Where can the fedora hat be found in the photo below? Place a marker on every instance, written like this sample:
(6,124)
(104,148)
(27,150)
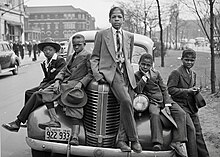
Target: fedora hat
(167,120)
(49,42)
(140,102)
(74,97)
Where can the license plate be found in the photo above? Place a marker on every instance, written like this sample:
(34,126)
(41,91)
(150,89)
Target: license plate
(57,134)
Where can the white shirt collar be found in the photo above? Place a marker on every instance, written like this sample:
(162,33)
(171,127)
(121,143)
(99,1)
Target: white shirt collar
(114,30)
(54,57)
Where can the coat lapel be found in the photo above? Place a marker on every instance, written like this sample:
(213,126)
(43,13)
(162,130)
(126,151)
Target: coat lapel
(110,43)
(126,45)
(186,77)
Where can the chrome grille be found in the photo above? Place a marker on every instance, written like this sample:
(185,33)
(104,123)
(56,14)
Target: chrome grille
(101,116)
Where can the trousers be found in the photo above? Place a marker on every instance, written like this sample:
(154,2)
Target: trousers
(119,87)
(33,103)
(179,116)
(196,146)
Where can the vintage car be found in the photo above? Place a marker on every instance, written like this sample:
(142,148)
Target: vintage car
(99,126)
(8,60)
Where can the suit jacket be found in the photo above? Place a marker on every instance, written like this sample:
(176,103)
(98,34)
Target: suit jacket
(178,83)
(154,88)
(49,75)
(76,70)
(103,60)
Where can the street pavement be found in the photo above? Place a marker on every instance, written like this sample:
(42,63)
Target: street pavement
(28,60)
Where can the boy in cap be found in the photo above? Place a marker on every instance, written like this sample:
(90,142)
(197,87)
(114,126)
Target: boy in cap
(150,83)
(51,66)
(182,88)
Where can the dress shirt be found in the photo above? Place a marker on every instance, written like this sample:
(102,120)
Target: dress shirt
(114,37)
(47,62)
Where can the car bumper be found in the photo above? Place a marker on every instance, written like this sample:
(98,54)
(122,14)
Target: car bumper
(89,151)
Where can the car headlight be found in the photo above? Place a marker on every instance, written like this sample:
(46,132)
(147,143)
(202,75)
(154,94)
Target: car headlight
(140,103)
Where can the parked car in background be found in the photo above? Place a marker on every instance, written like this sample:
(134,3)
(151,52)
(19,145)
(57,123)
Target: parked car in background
(63,49)
(100,124)
(9,61)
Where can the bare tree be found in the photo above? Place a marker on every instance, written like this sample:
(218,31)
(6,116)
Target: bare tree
(161,34)
(204,10)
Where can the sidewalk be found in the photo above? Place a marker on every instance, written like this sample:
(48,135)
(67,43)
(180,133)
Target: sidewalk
(28,60)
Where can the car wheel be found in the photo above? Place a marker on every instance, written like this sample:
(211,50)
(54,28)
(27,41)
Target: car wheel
(37,153)
(15,71)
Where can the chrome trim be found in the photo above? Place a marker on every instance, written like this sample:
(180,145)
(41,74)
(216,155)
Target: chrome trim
(89,151)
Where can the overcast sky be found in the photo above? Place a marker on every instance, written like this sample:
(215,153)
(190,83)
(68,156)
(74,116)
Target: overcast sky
(97,8)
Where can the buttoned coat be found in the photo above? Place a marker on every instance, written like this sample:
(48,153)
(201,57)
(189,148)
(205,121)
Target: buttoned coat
(103,59)
(178,83)
(154,88)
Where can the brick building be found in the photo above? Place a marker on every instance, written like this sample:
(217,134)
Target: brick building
(58,22)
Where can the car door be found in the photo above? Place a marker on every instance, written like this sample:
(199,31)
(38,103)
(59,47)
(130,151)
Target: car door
(5,56)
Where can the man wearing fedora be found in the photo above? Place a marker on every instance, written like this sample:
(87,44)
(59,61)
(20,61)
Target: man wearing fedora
(182,88)
(51,66)
(150,83)
(68,88)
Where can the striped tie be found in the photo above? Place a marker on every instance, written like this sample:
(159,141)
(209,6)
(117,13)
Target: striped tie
(119,53)
(118,41)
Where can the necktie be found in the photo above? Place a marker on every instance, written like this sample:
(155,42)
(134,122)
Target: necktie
(118,41)
(119,53)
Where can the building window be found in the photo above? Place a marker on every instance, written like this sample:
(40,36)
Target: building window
(83,16)
(42,16)
(35,16)
(48,26)
(56,33)
(56,25)
(42,26)
(42,32)
(79,16)
(48,16)
(73,15)
(56,16)
(69,25)
(48,33)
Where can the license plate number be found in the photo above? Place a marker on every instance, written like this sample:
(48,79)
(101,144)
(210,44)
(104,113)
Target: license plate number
(57,134)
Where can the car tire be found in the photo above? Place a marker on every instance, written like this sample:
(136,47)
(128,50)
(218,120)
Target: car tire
(15,71)
(37,153)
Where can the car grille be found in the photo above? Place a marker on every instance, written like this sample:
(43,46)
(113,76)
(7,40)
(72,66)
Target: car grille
(101,116)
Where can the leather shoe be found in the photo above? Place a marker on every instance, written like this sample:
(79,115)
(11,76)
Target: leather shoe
(11,126)
(51,123)
(179,148)
(123,146)
(136,146)
(74,141)
(157,147)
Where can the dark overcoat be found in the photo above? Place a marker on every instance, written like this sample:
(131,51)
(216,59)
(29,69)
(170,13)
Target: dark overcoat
(178,83)
(154,88)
